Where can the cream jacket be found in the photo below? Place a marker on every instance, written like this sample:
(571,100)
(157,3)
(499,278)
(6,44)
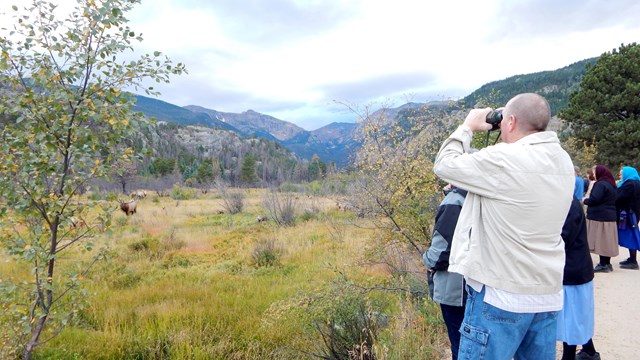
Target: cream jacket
(508,233)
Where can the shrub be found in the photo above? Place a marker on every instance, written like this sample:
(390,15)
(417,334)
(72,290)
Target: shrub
(281,207)
(233,202)
(266,253)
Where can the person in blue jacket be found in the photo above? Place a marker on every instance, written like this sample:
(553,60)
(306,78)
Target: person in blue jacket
(447,288)
(579,189)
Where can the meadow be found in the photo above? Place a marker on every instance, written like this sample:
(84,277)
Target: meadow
(185,279)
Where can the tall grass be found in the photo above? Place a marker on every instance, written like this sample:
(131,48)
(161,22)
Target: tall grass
(182,283)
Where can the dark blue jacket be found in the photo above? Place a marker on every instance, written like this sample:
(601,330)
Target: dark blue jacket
(629,196)
(578,267)
(602,202)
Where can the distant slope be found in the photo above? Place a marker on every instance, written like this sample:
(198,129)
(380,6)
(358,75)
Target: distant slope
(555,86)
(164,111)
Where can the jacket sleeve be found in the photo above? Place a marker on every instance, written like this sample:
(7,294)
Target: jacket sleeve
(478,173)
(437,256)
(597,195)
(575,217)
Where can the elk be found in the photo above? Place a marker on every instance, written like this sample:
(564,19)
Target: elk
(138,195)
(129,207)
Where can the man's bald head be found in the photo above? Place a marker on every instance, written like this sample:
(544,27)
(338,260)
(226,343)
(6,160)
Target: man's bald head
(531,111)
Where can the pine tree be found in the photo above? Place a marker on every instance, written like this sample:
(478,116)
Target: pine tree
(606,110)
(248,174)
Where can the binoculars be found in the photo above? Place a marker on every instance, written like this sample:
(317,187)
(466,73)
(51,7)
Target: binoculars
(494,118)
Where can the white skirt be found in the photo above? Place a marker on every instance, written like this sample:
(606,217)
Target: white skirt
(575,320)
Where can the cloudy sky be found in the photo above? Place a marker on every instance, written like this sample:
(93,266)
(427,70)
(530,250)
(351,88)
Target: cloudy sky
(299,60)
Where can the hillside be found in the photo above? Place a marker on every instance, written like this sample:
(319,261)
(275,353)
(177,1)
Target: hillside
(554,85)
(164,111)
(193,145)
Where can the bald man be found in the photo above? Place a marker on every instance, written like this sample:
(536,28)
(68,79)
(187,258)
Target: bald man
(507,242)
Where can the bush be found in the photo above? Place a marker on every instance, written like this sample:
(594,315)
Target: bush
(281,207)
(233,202)
(266,253)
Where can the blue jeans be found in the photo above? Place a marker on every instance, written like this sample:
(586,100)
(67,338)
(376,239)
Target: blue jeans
(494,334)
(453,316)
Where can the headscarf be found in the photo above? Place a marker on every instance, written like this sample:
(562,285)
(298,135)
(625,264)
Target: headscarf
(629,173)
(603,173)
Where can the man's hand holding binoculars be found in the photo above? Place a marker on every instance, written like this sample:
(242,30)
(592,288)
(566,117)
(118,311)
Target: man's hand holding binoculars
(477,120)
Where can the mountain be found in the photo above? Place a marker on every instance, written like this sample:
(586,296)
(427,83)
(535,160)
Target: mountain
(332,143)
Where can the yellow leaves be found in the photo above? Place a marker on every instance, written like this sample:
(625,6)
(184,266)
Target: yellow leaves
(97,162)
(28,247)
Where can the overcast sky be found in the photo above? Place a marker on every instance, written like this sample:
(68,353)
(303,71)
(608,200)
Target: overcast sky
(293,59)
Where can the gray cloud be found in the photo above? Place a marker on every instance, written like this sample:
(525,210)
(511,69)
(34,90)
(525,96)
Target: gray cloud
(539,18)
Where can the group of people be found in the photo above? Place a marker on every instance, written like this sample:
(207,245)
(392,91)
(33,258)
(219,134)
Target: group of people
(509,262)
(606,200)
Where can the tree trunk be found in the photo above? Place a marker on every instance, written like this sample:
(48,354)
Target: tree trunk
(35,335)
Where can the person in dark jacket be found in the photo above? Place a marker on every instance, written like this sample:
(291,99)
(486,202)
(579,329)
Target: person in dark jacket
(602,226)
(576,319)
(447,288)
(628,199)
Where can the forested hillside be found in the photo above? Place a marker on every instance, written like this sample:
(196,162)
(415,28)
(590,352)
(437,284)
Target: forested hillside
(555,86)
(200,154)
